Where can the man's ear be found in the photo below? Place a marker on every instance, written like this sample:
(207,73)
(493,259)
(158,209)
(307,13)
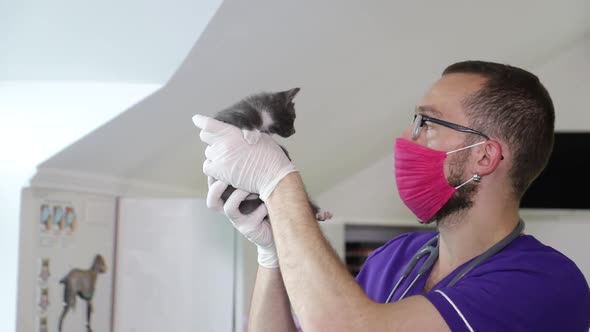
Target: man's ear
(491,156)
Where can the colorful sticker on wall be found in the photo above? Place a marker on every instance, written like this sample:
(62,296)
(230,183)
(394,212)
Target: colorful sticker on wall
(43,324)
(71,220)
(46,218)
(44,299)
(44,271)
(59,219)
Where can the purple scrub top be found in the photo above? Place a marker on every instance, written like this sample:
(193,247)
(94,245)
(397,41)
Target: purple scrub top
(527,286)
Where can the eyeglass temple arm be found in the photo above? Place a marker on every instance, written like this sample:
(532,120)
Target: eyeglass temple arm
(455,126)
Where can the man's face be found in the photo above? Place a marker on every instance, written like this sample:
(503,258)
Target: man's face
(444,101)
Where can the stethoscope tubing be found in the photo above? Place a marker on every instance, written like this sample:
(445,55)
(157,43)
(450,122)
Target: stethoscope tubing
(430,248)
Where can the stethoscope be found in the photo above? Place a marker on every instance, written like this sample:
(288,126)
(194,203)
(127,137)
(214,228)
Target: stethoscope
(430,249)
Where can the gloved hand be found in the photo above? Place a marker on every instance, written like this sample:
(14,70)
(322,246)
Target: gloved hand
(253,226)
(247,160)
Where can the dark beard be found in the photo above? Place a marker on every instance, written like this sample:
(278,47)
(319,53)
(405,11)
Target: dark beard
(462,199)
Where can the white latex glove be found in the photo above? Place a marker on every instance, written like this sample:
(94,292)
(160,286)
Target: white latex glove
(253,226)
(248,160)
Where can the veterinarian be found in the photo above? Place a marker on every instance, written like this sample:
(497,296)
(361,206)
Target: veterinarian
(481,134)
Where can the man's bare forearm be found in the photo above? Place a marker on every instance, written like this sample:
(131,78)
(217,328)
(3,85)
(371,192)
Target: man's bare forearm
(324,295)
(270,309)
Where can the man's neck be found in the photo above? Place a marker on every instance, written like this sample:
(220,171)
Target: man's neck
(472,233)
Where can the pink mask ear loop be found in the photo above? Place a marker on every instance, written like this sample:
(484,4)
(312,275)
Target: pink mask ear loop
(476,177)
(466,147)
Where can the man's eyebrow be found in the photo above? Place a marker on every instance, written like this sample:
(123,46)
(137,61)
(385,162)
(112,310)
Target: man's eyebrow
(429,110)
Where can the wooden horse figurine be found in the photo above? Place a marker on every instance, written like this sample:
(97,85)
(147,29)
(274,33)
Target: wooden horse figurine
(81,282)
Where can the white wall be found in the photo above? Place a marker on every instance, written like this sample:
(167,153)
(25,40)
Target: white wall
(369,194)
(372,193)
(567,78)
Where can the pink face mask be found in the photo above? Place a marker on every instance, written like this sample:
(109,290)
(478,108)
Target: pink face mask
(420,178)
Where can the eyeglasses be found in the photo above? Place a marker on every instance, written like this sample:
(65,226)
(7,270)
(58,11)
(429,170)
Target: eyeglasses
(419,120)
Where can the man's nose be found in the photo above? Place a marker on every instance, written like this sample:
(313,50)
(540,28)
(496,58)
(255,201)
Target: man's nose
(407,134)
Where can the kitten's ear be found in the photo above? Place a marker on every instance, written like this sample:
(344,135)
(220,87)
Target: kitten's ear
(291,94)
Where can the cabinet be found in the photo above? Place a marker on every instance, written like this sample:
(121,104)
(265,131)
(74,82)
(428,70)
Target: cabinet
(176,262)
(355,239)
(168,264)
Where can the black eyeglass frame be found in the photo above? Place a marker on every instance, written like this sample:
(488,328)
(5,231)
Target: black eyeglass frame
(424,118)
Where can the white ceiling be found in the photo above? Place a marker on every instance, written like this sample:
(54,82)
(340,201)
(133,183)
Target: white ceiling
(140,41)
(362,65)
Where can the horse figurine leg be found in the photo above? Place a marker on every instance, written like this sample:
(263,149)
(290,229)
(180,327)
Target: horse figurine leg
(88,314)
(63,315)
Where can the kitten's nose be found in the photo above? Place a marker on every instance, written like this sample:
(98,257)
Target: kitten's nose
(292,131)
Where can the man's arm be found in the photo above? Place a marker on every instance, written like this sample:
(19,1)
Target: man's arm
(270,309)
(324,295)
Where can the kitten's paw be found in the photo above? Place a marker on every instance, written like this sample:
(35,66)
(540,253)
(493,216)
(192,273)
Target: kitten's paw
(251,136)
(323,215)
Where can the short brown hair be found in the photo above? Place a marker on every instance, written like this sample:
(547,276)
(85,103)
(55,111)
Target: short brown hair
(515,107)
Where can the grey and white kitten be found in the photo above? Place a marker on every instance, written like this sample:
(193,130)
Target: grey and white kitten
(270,113)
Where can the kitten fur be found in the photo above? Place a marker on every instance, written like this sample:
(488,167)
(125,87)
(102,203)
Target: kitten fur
(270,113)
